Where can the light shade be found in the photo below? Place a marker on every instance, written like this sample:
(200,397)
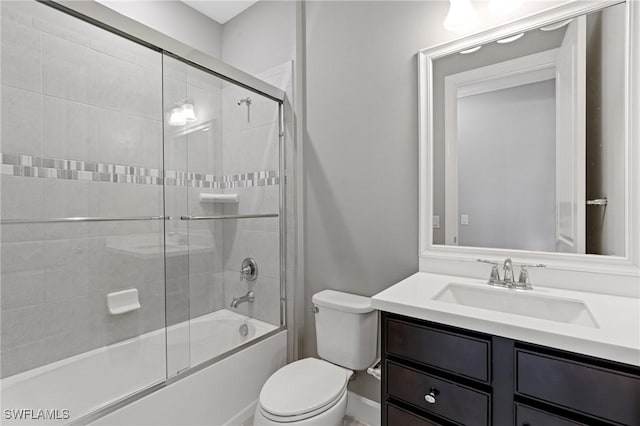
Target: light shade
(461,15)
(176,118)
(181,115)
(501,7)
(188,112)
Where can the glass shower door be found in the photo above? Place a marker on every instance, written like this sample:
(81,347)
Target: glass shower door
(222,196)
(82,270)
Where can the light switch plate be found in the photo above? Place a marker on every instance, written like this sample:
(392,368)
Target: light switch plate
(464,219)
(436,222)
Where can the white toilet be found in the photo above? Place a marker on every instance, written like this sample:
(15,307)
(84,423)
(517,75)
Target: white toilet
(314,391)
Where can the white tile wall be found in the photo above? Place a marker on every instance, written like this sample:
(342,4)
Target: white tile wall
(250,145)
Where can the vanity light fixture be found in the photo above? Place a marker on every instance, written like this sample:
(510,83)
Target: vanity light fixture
(473,49)
(182,114)
(556,25)
(510,39)
(461,15)
(502,7)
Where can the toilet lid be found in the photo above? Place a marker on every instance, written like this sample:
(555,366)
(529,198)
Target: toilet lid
(303,386)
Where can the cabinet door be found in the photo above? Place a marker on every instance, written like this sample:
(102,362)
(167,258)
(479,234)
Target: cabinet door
(457,403)
(596,391)
(527,416)
(399,417)
(457,353)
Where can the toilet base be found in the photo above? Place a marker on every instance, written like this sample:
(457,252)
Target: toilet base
(332,417)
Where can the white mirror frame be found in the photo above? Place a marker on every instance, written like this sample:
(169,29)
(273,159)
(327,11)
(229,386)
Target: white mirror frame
(578,271)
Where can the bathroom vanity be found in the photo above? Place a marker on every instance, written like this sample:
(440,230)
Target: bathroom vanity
(508,166)
(449,363)
(433,374)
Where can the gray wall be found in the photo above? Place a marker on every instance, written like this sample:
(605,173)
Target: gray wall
(506,167)
(176,20)
(361,144)
(261,37)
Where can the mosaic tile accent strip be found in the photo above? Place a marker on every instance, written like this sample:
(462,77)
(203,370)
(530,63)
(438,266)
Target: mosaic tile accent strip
(29,166)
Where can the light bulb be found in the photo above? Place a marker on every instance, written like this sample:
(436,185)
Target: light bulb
(502,7)
(188,113)
(461,15)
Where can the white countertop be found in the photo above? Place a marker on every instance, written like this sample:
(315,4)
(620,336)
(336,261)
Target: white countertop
(616,337)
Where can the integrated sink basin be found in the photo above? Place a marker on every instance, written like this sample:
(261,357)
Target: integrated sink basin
(568,311)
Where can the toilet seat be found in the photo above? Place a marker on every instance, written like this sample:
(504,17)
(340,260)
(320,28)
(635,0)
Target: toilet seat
(303,389)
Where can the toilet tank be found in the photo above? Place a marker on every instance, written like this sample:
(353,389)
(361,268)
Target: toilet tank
(346,329)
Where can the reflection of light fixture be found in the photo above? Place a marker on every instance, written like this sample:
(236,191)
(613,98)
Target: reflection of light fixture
(182,114)
(473,49)
(176,118)
(510,39)
(461,15)
(556,25)
(501,7)
(188,113)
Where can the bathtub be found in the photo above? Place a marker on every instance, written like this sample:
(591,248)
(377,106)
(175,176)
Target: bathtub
(89,381)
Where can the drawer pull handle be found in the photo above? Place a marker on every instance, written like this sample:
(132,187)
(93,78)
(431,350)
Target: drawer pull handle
(431,396)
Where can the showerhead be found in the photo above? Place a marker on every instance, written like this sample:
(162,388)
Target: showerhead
(245,101)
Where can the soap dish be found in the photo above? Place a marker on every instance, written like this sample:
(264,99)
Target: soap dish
(123,301)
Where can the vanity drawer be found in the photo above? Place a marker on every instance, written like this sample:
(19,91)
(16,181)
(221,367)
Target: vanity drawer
(592,390)
(527,416)
(457,353)
(454,402)
(400,417)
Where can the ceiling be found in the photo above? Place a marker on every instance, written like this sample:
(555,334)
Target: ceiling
(220,10)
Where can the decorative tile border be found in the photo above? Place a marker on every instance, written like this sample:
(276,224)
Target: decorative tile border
(29,166)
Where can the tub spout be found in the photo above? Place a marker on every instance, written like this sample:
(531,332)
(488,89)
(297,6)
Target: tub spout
(249,297)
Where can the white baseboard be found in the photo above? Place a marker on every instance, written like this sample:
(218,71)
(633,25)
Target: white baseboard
(363,409)
(245,414)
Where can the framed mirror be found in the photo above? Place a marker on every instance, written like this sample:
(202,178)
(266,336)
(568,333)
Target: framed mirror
(527,143)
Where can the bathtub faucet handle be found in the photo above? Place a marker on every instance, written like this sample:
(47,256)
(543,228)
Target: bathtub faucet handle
(249,269)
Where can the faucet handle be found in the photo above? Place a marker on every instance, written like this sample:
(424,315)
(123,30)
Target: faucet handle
(524,282)
(494,277)
(491,262)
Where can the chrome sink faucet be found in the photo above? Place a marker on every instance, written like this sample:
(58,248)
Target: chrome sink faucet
(508,280)
(507,268)
(249,297)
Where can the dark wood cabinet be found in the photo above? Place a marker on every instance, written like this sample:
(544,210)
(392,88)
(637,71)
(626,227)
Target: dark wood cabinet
(447,399)
(435,374)
(457,353)
(528,416)
(398,416)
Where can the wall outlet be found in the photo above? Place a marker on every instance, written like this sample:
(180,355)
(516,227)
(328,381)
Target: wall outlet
(436,222)
(464,219)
